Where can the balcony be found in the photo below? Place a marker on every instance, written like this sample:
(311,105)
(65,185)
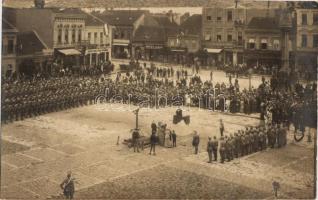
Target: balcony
(71,45)
(9,51)
(239,23)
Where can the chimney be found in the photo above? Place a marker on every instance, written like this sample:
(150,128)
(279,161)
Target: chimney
(236,3)
(39,3)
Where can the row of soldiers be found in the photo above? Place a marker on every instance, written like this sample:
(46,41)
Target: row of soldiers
(248,141)
(28,99)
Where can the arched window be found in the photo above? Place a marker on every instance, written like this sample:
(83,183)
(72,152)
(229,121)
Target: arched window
(59,36)
(251,43)
(73,35)
(276,44)
(66,36)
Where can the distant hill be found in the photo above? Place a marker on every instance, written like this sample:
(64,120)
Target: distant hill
(141,3)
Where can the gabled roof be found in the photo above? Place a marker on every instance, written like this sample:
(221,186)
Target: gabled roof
(8,27)
(92,20)
(65,10)
(149,34)
(29,43)
(164,21)
(193,25)
(263,23)
(121,17)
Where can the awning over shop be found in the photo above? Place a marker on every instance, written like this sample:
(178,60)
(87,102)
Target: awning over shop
(69,52)
(213,50)
(178,50)
(120,44)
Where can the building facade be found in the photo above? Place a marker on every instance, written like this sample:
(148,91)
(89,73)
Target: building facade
(9,47)
(263,42)
(61,30)
(123,25)
(306,39)
(98,36)
(223,32)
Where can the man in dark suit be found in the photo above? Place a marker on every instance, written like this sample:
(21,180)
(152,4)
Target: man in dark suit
(174,139)
(196,142)
(153,141)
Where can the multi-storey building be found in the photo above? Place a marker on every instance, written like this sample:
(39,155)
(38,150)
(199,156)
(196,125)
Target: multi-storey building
(150,38)
(60,29)
(98,35)
(124,24)
(186,42)
(263,42)
(9,47)
(306,38)
(223,32)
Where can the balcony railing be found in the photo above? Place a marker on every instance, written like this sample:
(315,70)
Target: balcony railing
(6,51)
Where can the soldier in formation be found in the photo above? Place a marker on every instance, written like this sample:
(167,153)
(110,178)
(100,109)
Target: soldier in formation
(248,141)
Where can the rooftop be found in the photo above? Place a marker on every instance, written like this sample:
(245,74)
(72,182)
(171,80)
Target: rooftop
(263,23)
(92,20)
(30,43)
(149,34)
(8,27)
(192,25)
(120,17)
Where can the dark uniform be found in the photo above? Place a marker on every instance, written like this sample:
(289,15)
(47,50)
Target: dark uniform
(222,149)
(209,149)
(135,138)
(215,148)
(195,143)
(153,141)
(174,139)
(68,187)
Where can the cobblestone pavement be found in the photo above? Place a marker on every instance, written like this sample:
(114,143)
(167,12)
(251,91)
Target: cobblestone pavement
(39,152)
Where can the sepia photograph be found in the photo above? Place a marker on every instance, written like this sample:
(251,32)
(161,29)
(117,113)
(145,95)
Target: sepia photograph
(158,99)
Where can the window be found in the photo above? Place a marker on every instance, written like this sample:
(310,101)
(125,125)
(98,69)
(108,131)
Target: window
(276,44)
(219,19)
(229,16)
(207,37)
(101,37)
(304,19)
(315,19)
(194,44)
(219,38)
(10,49)
(239,38)
(95,38)
(264,44)
(209,18)
(229,38)
(303,40)
(59,36)
(73,36)
(172,43)
(79,35)
(89,37)
(251,44)
(315,41)
(66,36)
